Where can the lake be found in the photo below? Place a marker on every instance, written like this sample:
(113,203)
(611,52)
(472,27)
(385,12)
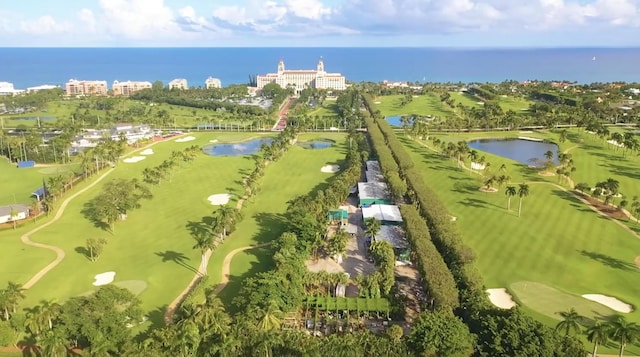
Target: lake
(237,149)
(523,151)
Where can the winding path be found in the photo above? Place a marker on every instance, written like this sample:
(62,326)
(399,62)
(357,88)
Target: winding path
(59,252)
(226,265)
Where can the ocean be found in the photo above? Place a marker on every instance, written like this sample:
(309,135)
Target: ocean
(26,67)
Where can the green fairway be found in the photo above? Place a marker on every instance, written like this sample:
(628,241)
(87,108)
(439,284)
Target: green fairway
(153,245)
(517,104)
(427,104)
(68,109)
(295,174)
(558,241)
(151,252)
(466,99)
(327,109)
(18,184)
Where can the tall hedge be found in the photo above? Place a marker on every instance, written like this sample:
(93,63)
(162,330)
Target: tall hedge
(439,282)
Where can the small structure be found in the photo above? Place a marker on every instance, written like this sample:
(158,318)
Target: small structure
(39,193)
(13,213)
(26,164)
(396,237)
(340,215)
(386,214)
(373,193)
(373,172)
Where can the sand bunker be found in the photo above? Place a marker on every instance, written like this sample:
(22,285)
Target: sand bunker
(501,298)
(131,160)
(488,189)
(610,302)
(147,152)
(330,168)
(219,199)
(213,141)
(477,166)
(185,139)
(104,278)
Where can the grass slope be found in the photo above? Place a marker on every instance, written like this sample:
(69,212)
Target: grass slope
(22,182)
(427,104)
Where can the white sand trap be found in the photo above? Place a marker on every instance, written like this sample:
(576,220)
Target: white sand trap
(477,166)
(453,218)
(147,152)
(219,199)
(330,168)
(104,278)
(131,160)
(213,141)
(185,139)
(376,102)
(610,302)
(613,142)
(501,298)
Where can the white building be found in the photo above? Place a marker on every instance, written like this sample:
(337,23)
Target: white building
(42,87)
(127,88)
(19,212)
(178,83)
(212,83)
(6,88)
(301,79)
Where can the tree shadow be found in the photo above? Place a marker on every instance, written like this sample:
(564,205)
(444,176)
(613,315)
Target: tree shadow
(28,346)
(234,285)
(270,226)
(83,251)
(202,228)
(465,187)
(610,261)
(90,212)
(176,257)
(155,318)
(474,202)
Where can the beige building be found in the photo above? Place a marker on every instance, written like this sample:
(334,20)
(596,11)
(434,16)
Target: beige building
(76,87)
(301,79)
(179,83)
(127,88)
(212,83)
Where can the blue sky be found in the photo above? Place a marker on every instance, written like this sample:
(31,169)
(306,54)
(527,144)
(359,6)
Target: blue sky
(211,23)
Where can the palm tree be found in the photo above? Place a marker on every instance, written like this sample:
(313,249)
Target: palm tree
(523,191)
(270,318)
(50,310)
(13,214)
(204,242)
(562,139)
(54,345)
(510,192)
(373,227)
(569,322)
(227,218)
(489,182)
(14,294)
(598,334)
(623,331)
(548,154)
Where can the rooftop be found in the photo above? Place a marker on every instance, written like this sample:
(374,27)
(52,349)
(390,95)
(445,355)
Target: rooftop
(373,190)
(388,213)
(394,235)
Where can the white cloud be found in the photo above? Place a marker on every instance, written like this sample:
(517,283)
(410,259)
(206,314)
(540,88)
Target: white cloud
(138,19)
(88,19)
(308,9)
(44,25)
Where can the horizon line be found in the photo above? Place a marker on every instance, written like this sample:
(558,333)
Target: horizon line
(337,46)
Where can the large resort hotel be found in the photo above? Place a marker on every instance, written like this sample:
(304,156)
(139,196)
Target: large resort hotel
(301,79)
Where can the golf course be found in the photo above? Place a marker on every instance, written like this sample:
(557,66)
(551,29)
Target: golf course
(559,248)
(151,252)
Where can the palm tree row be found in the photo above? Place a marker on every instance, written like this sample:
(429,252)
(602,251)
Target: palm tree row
(601,331)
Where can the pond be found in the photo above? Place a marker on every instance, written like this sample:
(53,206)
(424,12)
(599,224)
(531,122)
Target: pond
(521,150)
(316,144)
(237,149)
(394,120)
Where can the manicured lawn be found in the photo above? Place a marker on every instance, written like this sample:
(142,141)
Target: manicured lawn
(297,173)
(183,116)
(22,182)
(557,241)
(467,100)
(428,104)
(517,104)
(154,246)
(327,109)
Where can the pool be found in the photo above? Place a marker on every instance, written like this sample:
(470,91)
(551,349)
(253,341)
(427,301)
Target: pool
(316,144)
(237,149)
(523,151)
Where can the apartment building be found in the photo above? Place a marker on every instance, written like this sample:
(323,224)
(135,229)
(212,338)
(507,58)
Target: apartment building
(76,87)
(212,83)
(127,88)
(179,83)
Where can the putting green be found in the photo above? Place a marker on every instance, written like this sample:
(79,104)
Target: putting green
(549,301)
